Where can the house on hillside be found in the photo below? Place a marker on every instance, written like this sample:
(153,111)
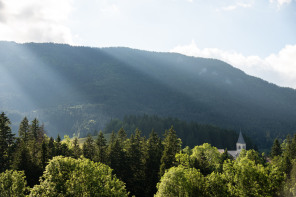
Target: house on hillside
(240,145)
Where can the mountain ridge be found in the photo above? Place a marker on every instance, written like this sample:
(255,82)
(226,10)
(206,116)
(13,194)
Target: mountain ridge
(80,85)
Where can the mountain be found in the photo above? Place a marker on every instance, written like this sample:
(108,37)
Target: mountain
(79,89)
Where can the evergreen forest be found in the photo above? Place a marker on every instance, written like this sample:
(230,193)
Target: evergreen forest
(33,164)
(190,133)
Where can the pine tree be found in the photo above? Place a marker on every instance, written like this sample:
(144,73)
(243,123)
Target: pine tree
(34,143)
(58,146)
(293,147)
(23,162)
(34,130)
(88,148)
(112,138)
(135,163)
(276,149)
(172,145)
(24,130)
(77,152)
(51,148)
(117,157)
(122,136)
(153,155)
(101,143)
(287,165)
(110,147)
(288,150)
(44,154)
(6,142)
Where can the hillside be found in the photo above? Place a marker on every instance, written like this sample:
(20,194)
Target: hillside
(80,89)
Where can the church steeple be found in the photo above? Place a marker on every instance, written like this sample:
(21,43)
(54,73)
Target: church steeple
(241,139)
(241,144)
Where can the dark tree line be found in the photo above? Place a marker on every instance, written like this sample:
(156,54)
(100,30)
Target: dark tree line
(136,160)
(191,133)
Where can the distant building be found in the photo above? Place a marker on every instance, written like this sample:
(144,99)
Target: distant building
(240,145)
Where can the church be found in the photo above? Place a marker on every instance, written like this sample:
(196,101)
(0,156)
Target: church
(240,144)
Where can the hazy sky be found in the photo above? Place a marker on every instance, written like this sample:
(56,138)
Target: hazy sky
(257,36)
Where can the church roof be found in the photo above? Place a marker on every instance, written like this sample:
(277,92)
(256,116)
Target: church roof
(241,139)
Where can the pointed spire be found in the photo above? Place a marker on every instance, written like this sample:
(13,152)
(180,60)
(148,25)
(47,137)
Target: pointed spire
(241,138)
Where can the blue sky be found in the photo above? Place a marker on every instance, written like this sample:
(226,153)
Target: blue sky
(256,36)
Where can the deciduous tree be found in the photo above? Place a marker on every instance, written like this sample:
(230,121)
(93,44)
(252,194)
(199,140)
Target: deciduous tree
(65,176)
(13,184)
(180,181)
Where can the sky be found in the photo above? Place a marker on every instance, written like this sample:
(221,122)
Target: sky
(256,36)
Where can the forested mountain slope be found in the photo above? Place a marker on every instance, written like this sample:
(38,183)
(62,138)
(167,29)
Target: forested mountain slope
(80,89)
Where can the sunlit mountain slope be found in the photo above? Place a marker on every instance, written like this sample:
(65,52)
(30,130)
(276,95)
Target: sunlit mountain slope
(74,89)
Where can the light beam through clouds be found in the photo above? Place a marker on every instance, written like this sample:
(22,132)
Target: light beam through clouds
(13,93)
(161,25)
(279,68)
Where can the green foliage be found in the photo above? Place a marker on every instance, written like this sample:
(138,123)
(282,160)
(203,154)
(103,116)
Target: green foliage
(117,157)
(88,148)
(51,148)
(136,161)
(246,178)
(66,176)
(290,185)
(153,156)
(44,153)
(293,147)
(252,155)
(23,162)
(180,181)
(24,129)
(276,149)
(286,162)
(121,136)
(101,143)
(171,146)
(13,184)
(217,185)
(205,157)
(191,133)
(77,152)
(6,142)
(135,164)
(35,130)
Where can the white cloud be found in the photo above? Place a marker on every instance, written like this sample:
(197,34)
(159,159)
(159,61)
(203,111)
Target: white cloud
(277,68)
(280,2)
(236,6)
(35,21)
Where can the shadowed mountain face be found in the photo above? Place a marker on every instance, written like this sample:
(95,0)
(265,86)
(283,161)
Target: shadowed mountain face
(80,89)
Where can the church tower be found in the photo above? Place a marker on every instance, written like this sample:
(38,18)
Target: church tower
(241,144)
